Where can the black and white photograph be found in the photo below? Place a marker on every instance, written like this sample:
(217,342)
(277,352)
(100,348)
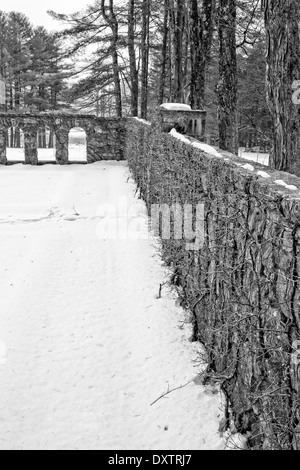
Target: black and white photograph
(150,228)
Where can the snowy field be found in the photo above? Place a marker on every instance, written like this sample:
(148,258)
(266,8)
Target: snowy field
(86,345)
(77,153)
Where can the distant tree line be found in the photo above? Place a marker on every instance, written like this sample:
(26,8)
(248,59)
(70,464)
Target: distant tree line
(206,53)
(30,64)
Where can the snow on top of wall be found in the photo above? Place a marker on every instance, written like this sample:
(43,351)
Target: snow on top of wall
(263,174)
(199,145)
(212,151)
(207,148)
(248,167)
(143,121)
(281,183)
(176,107)
(179,136)
(287,186)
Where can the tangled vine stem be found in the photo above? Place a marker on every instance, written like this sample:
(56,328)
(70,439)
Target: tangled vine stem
(171,391)
(242,286)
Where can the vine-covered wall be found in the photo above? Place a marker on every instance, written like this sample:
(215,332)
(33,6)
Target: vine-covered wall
(243,284)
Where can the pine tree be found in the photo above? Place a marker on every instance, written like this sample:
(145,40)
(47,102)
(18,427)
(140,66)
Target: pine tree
(30,64)
(19,33)
(46,73)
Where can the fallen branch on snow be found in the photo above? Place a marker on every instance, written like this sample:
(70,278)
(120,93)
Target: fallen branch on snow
(170,391)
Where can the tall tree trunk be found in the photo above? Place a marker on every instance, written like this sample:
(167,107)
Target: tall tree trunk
(17,93)
(41,95)
(170,49)
(197,58)
(186,59)
(178,51)
(145,57)
(283,68)
(112,21)
(164,54)
(134,78)
(177,13)
(201,22)
(227,87)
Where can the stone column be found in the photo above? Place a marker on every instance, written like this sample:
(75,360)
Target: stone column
(3,145)
(62,146)
(92,148)
(31,150)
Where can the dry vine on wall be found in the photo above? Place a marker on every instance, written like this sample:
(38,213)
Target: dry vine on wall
(242,285)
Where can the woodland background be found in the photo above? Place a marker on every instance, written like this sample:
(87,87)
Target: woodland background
(235,58)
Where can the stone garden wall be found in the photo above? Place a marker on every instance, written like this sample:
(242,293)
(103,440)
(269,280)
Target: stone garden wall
(243,284)
(105,136)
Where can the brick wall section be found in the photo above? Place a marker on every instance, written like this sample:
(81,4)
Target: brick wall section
(105,136)
(242,285)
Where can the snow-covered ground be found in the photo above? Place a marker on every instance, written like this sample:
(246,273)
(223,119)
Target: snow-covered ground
(77,153)
(86,345)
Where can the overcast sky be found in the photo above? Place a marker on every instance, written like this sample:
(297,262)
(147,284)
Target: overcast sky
(36,10)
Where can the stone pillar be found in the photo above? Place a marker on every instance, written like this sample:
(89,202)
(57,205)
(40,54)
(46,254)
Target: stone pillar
(201,126)
(62,146)
(3,145)
(31,150)
(92,148)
